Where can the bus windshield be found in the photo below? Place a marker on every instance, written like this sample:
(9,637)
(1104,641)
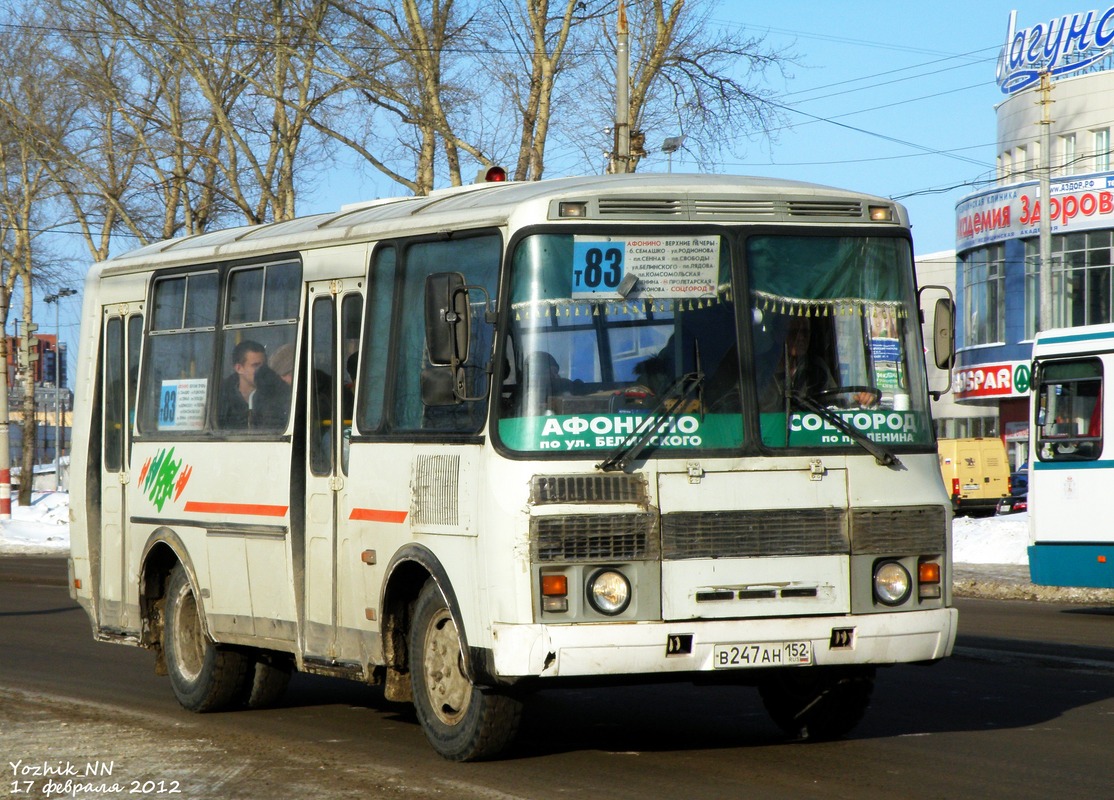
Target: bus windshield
(834,329)
(612,335)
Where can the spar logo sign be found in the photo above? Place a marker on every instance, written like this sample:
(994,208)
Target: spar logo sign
(1009,379)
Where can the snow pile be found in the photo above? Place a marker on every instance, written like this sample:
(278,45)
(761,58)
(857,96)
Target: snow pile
(43,528)
(991,540)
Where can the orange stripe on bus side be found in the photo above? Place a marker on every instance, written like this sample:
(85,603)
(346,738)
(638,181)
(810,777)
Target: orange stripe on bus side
(378,515)
(252,509)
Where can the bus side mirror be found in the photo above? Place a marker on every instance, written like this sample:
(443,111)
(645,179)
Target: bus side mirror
(446,319)
(448,332)
(943,333)
(441,386)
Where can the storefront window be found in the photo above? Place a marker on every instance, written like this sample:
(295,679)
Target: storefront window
(1081,280)
(984,294)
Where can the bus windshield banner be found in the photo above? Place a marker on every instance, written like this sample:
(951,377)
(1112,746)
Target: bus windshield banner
(604,431)
(812,430)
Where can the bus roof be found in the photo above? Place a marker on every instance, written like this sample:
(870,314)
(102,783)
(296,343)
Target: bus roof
(619,198)
(1083,338)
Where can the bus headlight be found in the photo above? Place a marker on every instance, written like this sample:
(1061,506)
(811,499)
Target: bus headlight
(892,583)
(609,592)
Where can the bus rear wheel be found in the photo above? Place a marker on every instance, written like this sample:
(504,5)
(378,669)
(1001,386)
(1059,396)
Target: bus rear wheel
(266,680)
(204,677)
(462,721)
(818,703)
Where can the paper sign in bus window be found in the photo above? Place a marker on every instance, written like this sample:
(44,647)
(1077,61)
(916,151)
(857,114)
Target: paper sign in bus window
(182,404)
(665,266)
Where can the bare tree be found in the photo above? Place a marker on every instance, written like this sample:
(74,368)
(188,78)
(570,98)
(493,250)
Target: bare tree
(152,126)
(688,78)
(538,42)
(233,85)
(26,195)
(406,60)
(464,78)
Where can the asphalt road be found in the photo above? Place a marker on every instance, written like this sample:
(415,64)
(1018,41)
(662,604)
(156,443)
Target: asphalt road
(1023,710)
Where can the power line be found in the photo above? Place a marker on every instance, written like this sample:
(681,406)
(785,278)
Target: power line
(882,136)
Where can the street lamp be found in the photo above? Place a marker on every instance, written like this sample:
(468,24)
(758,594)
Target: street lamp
(671,145)
(54,298)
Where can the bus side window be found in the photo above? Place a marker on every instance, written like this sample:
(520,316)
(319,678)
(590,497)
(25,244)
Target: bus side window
(255,384)
(179,357)
(321,379)
(380,302)
(477,258)
(350,309)
(1069,411)
(114,395)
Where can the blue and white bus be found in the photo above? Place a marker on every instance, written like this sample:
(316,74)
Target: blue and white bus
(1071,472)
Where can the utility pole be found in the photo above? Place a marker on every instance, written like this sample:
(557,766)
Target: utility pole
(620,158)
(1045,230)
(5,446)
(28,355)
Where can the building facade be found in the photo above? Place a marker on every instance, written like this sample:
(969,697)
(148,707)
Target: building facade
(998,261)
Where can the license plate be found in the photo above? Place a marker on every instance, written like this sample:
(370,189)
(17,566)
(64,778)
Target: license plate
(762,654)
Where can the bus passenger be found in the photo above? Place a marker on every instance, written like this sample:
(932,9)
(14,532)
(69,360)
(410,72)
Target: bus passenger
(253,396)
(282,363)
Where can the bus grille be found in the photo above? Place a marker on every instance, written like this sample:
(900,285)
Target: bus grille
(642,206)
(819,208)
(726,208)
(436,482)
(913,529)
(594,537)
(548,489)
(739,534)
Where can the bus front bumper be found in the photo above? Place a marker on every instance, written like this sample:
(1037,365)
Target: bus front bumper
(640,648)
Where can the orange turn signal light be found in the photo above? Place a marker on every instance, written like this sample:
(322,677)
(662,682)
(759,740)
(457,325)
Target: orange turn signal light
(928,572)
(555,585)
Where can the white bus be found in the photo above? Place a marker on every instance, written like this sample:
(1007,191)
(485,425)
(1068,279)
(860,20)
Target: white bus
(1070,541)
(514,435)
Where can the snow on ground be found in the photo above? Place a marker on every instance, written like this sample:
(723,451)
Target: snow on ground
(991,540)
(43,528)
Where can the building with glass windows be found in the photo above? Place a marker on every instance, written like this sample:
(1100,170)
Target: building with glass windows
(997,228)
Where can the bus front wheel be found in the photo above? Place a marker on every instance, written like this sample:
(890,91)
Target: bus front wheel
(818,703)
(463,722)
(204,677)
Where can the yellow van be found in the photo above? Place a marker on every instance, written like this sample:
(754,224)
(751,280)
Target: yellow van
(976,473)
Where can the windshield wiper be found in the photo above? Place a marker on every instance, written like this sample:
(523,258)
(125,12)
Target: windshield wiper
(678,392)
(882,455)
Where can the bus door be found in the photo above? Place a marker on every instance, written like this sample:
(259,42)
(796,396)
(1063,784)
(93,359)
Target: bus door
(334,314)
(123,332)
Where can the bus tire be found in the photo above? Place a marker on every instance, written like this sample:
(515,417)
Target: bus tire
(204,676)
(462,722)
(265,681)
(818,703)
